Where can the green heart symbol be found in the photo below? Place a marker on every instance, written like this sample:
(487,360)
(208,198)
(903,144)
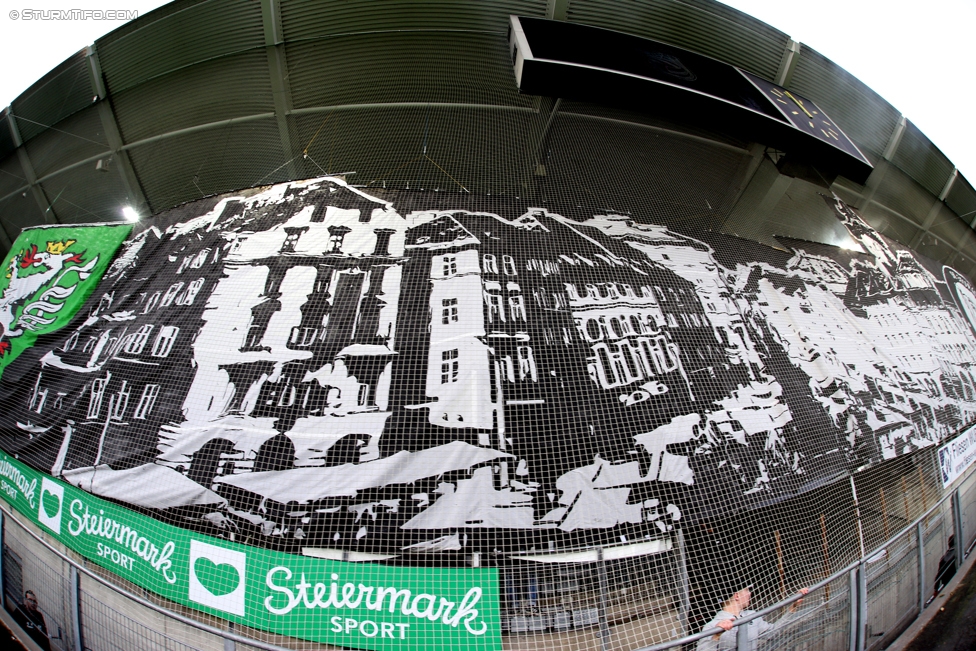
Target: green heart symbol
(51,503)
(217,579)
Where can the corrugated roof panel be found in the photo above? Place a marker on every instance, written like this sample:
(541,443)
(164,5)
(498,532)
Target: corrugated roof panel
(196,165)
(480,150)
(159,13)
(903,195)
(846,194)
(863,114)
(934,248)
(890,225)
(963,264)
(803,214)
(658,177)
(310,19)
(58,94)
(949,227)
(7,146)
(193,62)
(11,175)
(702,26)
(19,211)
(214,90)
(968,246)
(76,138)
(403,67)
(84,195)
(917,156)
(188,34)
(642,118)
(962,199)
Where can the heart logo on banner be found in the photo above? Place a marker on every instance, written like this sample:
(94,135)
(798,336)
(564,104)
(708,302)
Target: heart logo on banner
(217,579)
(51,504)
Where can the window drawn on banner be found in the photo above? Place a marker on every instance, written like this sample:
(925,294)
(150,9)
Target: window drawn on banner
(171,294)
(453,351)
(146,401)
(137,341)
(449,313)
(121,401)
(97,394)
(164,341)
(449,265)
(449,366)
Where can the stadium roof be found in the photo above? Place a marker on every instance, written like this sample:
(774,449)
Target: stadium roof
(201,97)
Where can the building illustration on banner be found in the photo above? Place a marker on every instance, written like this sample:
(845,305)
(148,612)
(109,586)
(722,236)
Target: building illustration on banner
(308,363)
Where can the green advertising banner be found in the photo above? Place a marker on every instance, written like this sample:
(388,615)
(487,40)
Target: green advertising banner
(49,272)
(359,605)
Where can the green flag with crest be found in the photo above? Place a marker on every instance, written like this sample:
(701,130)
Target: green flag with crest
(48,274)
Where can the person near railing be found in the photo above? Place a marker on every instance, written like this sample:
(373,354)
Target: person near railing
(29,618)
(947,568)
(733,608)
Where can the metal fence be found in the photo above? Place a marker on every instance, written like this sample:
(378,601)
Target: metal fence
(861,607)
(866,605)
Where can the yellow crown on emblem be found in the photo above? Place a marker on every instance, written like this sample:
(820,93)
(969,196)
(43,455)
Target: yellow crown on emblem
(57,248)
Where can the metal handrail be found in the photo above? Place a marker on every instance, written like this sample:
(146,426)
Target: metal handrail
(661,646)
(213,630)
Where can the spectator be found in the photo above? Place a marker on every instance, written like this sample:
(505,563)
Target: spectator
(733,608)
(947,567)
(29,618)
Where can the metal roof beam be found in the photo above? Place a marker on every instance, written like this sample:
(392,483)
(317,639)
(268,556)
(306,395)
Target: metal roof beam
(547,108)
(955,247)
(788,63)
(917,239)
(197,129)
(557,9)
(926,224)
(388,105)
(51,175)
(934,210)
(274,41)
(895,139)
(20,190)
(130,181)
(757,152)
(650,127)
(47,212)
(949,183)
(877,176)
(762,190)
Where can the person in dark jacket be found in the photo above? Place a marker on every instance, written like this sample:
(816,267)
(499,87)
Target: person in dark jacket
(29,618)
(947,567)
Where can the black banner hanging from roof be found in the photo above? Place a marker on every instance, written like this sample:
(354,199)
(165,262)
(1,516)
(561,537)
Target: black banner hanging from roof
(312,365)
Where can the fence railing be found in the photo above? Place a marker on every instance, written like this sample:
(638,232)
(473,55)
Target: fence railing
(867,604)
(862,607)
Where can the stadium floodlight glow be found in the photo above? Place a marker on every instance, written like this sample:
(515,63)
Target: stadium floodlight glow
(130,214)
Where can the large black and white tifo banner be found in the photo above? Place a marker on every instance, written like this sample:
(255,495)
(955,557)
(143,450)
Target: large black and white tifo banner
(310,365)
